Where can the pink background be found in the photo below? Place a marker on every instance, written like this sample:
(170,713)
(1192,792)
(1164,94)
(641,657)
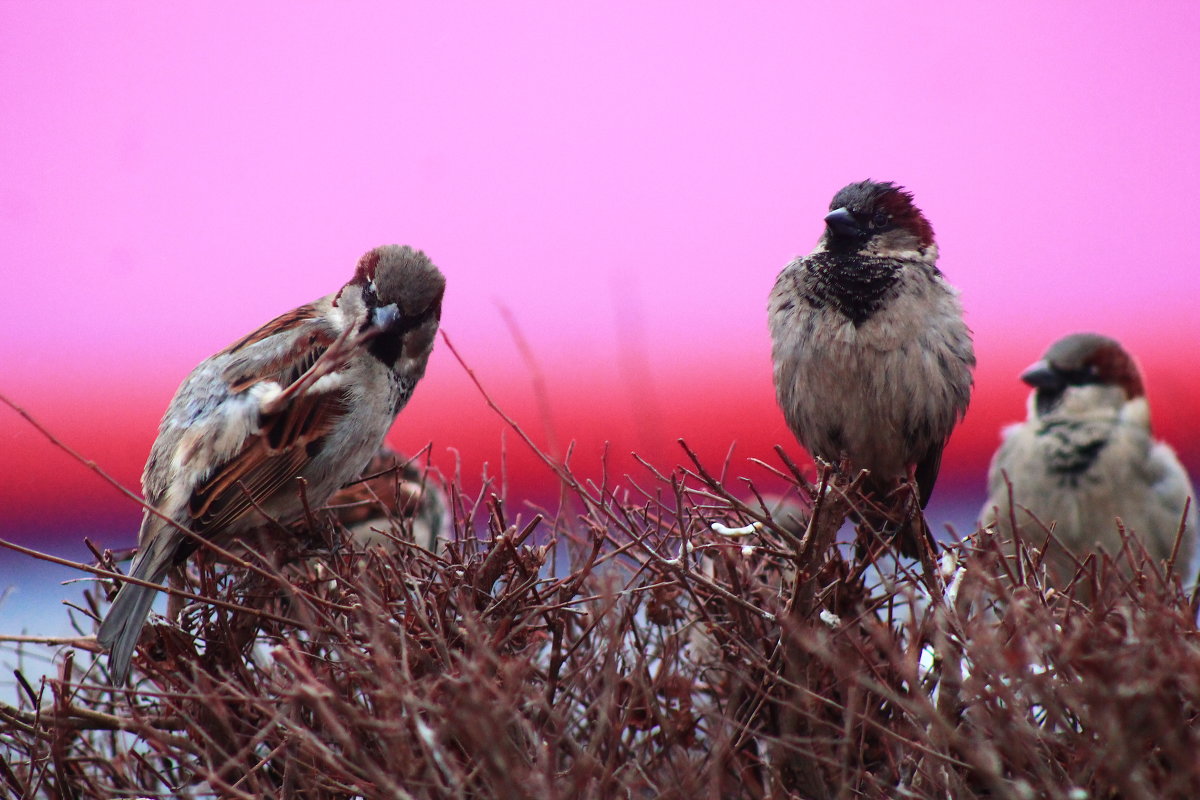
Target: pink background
(623,179)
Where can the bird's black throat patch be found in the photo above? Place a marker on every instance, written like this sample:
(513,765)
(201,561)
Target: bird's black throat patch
(388,344)
(855,286)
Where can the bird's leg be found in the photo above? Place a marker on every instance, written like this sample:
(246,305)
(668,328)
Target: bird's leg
(864,536)
(844,468)
(912,496)
(176,579)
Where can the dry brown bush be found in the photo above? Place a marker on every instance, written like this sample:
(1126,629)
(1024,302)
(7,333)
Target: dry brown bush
(618,647)
(621,648)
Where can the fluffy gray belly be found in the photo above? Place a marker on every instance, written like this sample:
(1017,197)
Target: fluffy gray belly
(844,395)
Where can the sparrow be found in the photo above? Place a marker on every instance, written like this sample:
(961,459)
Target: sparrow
(1084,457)
(872,358)
(393,499)
(284,416)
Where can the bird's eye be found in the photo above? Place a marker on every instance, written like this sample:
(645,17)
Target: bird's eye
(880,220)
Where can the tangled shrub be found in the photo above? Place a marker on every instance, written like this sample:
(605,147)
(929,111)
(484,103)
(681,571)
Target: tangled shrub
(622,647)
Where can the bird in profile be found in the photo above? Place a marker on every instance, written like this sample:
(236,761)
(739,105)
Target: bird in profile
(872,357)
(1085,457)
(287,414)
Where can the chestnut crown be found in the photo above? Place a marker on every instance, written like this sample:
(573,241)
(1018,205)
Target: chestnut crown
(1082,359)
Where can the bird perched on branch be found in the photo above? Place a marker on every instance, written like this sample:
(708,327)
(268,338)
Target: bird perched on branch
(1084,457)
(283,416)
(872,358)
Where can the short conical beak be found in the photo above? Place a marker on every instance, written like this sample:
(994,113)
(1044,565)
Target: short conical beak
(842,223)
(1042,375)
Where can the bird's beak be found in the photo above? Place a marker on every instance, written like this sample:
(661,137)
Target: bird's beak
(842,223)
(1042,375)
(385,316)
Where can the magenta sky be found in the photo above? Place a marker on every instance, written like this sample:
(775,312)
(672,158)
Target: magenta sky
(625,178)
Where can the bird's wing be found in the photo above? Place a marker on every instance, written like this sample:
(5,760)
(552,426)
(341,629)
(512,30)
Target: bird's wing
(927,472)
(291,425)
(1171,486)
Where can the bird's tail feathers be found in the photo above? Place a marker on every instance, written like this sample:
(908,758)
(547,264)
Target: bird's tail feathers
(122,626)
